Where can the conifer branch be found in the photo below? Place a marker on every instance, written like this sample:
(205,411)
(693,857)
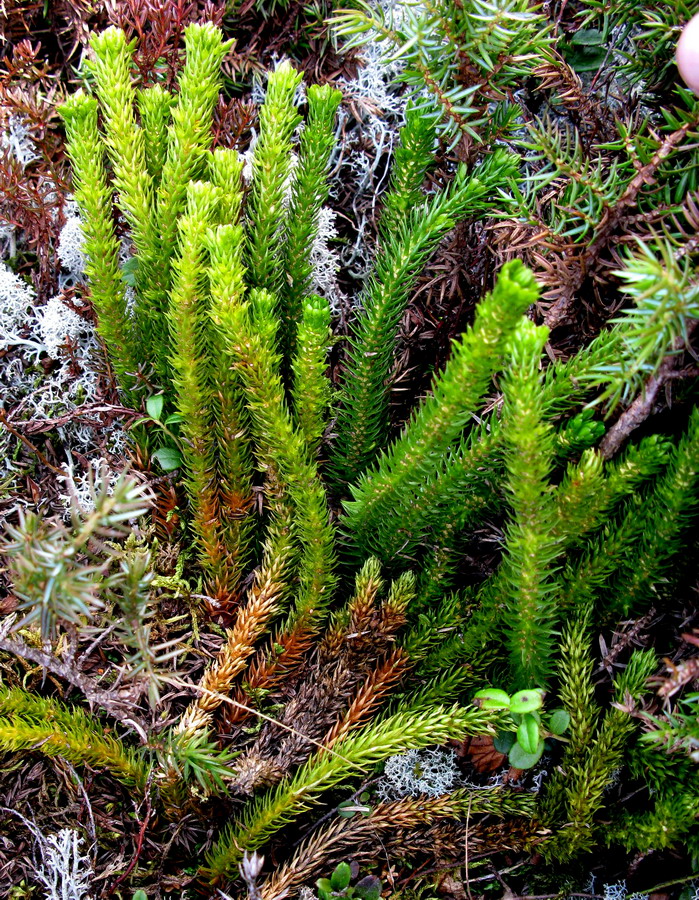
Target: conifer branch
(612,215)
(116,707)
(59,575)
(461,61)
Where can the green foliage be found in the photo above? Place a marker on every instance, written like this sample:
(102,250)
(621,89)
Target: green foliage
(338,885)
(669,820)
(649,34)
(57,572)
(28,721)
(231,348)
(178,312)
(309,193)
(595,751)
(461,56)
(66,578)
(129,590)
(672,780)
(271,161)
(86,152)
(678,731)
(526,745)
(412,160)
(666,302)
(381,494)
(189,138)
(311,391)
(366,747)
(530,543)
(250,330)
(124,140)
(362,420)
(663,519)
(195,758)
(155,108)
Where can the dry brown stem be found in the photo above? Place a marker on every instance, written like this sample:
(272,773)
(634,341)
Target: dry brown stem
(380,682)
(397,826)
(250,624)
(643,405)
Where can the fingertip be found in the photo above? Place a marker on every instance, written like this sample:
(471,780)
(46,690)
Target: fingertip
(687,54)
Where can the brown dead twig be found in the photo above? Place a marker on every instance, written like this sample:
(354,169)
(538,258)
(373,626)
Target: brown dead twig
(119,707)
(29,445)
(643,405)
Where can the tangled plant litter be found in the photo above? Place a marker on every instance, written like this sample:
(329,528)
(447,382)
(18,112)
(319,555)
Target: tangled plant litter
(316,561)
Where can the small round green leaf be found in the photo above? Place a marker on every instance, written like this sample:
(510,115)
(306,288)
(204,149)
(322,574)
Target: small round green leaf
(369,888)
(129,271)
(492,698)
(588,37)
(521,760)
(169,458)
(154,406)
(559,721)
(341,877)
(325,888)
(140,895)
(504,741)
(527,701)
(528,734)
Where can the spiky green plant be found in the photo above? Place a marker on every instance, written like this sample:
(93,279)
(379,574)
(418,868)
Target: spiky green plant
(51,580)
(230,343)
(593,755)
(28,720)
(362,420)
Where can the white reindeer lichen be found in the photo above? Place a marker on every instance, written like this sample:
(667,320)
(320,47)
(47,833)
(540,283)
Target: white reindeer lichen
(64,870)
(431,772)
